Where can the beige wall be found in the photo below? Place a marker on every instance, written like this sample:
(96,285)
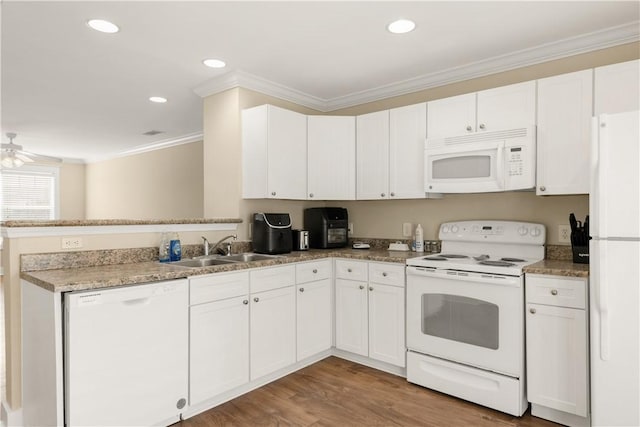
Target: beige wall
(72,191)
(159,184)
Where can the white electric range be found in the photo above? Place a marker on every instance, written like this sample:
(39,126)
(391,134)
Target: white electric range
(465,312)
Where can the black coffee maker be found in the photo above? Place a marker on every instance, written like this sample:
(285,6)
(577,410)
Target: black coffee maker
(272,233)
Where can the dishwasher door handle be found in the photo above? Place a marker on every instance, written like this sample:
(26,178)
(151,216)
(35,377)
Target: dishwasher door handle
(137,301)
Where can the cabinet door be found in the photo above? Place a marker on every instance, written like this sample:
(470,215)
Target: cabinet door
(314,326)
(218,347)
(351,316)
(273,331)
(564,133)
(331,158)
(386,324)
(451,116)
(408,131)
(617,88)
(557,358)
(372,154)
(287,156)
(507,107)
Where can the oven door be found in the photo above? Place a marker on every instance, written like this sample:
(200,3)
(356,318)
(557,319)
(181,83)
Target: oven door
(470,318)
(465,168)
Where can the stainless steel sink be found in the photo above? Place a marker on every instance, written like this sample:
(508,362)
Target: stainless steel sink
(247,257)
(202,262)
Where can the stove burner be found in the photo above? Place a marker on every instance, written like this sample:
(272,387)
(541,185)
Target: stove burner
(452,256)
(497,263)
(512,259)
(435,258)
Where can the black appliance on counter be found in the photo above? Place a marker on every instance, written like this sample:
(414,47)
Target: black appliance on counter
(327,227)
(272,233)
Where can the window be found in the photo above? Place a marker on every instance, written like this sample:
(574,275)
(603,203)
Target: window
(29,192)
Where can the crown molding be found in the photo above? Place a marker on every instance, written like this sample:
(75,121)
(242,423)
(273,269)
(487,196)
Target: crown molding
(584,43)
(158,145)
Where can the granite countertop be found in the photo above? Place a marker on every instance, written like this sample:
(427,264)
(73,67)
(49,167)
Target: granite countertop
(105,276)
(98,222)
(558,268)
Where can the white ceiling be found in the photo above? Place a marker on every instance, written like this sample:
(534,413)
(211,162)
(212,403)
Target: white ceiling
(72,92)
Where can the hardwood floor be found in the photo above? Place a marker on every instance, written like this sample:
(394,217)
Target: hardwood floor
(336,392)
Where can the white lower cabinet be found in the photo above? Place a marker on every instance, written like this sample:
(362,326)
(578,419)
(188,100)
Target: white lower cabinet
(557,348)
(314,326)
(370,310)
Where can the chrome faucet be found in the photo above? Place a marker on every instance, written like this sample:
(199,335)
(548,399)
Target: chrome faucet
(208,248)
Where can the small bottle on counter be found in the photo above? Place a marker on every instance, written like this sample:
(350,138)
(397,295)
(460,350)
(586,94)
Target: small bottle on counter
(419,239)
(175,250)
(163,250)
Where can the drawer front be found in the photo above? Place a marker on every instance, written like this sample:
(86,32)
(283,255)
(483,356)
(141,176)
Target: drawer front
(312,271)
(557,291)
(351,270)
(386,273)
(218,287)
(266,279)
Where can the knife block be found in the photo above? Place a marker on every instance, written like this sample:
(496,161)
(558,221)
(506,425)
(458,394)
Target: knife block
(580,254)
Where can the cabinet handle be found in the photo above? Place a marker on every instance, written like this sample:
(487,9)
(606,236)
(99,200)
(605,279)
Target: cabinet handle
(310,194)
(532,310)
(348,270)
(273,193)
(256,299)
(361,286)
(469,128)
(301,289)
(381,194)
(384,274)
(245,302)
(543,188)
(481,125)
(370,288)
(554,292)
(315,270)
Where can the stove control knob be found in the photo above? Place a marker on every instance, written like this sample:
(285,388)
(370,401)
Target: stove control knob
(535,232)
(454,228)
(522,230)
(445,228)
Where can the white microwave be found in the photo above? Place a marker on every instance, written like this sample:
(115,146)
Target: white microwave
(481,162)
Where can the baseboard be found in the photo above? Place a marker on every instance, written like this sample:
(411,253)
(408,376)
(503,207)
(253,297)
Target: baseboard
(9,417)
(366,361)
(559,416)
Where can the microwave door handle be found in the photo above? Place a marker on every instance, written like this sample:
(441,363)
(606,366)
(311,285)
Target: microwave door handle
(500,165)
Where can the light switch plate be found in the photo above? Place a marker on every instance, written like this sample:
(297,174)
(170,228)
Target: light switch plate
(407,229)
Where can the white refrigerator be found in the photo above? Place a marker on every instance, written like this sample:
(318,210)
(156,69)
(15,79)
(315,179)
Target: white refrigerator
(614,206)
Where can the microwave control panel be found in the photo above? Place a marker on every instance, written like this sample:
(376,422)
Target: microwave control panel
(515,161)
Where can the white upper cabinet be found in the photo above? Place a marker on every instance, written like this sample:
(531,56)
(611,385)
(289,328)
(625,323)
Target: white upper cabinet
(274,153)
(331,143)
(407,134)
(617,88)
(372,154)
(505,107)
(564,133)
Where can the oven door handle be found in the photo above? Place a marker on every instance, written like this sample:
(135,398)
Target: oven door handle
(464,276)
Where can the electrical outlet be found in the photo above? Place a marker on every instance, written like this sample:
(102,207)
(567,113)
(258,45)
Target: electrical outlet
(350,229)
(71,242)
(407,229)
(564,233)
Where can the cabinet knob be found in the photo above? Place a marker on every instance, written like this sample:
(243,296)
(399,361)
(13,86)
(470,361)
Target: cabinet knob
(245,302)
(393,194)
(554,292)
(348,270)
(361,286)
(310,194)
(301,289)
(384,274)
(315,270)
(273,193)
(256,299)
(532,310)
(543,188)
(370,288)
(381,194)
(482,126)
(469,128)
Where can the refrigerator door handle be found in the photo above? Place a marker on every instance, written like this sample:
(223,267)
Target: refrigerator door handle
(602,302)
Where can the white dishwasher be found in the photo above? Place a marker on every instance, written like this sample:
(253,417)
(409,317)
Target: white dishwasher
(126,355)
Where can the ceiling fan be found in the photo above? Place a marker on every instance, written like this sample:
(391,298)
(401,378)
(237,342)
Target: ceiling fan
(14,157)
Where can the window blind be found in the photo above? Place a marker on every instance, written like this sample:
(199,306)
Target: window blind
(29,193)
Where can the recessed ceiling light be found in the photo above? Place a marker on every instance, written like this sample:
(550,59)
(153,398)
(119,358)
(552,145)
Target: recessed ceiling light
(103,26)
(158,99)
(214,63)
(401,26)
